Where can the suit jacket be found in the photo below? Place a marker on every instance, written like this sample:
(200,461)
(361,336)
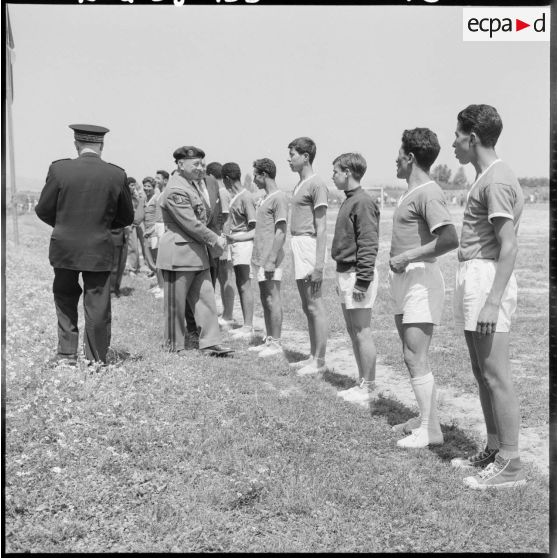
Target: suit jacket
(184,245)
(83,199)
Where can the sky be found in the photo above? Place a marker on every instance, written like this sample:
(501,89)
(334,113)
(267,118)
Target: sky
(242,81)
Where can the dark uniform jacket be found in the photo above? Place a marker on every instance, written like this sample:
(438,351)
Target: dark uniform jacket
(187,217)
(83,199)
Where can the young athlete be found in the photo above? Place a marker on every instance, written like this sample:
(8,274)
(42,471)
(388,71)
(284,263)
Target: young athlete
(241,224)
(486,293)
(268,254)
(422,231)
(354,248)
(225,272)
(308,245)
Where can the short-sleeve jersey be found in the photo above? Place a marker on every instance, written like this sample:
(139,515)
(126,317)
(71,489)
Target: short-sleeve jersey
(241,211)
(417,215)
(495,193)
(308,195)
(271,209)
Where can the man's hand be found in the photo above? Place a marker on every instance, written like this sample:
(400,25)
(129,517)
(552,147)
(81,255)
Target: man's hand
(397,264)
(315,279)
(220,246)
(488,317)
(358,295)
(269,270)
(230,238)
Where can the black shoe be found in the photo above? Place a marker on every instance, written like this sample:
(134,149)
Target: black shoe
(216,350)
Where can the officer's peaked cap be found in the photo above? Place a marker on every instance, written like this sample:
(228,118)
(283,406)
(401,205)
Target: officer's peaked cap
(89,133)
(188,152)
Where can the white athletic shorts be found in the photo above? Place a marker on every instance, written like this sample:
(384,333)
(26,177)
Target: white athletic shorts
(473,282)
(259,274)
(418,293)
(345,283)
(303,249)
(241,252)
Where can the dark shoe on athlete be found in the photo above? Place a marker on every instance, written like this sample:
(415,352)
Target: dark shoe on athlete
(503,473)
(478,461)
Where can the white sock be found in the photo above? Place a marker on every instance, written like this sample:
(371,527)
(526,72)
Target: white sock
(425,393)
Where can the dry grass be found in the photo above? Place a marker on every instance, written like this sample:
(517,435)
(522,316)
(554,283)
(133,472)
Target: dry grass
(200,454)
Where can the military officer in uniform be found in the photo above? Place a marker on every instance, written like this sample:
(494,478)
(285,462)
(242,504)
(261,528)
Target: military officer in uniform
(184,254)
(83,199)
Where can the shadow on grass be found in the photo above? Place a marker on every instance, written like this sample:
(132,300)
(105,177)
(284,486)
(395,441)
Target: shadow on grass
(339,380)
(294,356)
(456,442)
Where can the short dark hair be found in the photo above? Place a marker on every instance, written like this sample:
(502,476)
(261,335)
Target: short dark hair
(265,165)
(214,169)
(163,173)
(231,170)
(354,162)
(423,144)
(130,180)
(149,179)
(304,145)
(484,121)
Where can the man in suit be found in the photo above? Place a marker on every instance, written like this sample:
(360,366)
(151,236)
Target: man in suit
(215,224)
(83,199)
(184,254)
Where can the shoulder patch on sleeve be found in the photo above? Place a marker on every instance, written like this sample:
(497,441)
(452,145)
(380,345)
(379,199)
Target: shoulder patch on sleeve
(178,198)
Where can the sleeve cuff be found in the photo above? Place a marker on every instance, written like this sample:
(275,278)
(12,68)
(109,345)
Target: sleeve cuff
(442,224)
(505,215)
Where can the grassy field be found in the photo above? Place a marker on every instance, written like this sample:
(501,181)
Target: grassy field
(200,454)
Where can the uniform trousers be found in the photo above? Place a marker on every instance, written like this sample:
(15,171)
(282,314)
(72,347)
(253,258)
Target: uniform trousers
(96,305)
(191,324)
(194,287)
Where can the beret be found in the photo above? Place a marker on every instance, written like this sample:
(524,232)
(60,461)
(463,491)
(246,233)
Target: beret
(89,132)
(188,152)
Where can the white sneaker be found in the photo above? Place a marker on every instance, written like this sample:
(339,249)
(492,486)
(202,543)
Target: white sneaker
(244,332)
(273,348)
(258,348)
(356,394)
(407,427)
(421,438)
(301,363)
(311,369)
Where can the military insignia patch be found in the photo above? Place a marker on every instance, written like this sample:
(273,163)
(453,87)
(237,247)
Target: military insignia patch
(179,199)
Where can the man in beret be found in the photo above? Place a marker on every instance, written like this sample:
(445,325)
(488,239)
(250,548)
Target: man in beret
(83,199)
(184,254)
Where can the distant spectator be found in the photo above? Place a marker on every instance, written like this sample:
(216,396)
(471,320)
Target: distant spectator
(135,232)
(153,230)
